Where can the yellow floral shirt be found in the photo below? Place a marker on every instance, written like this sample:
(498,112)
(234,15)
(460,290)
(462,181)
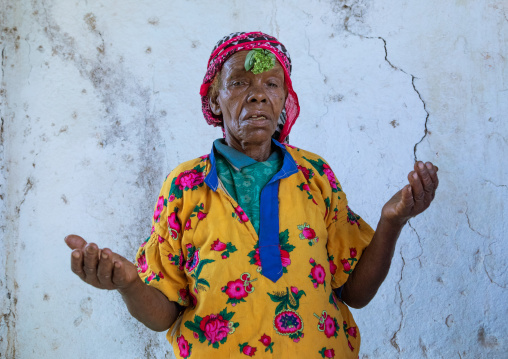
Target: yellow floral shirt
(203,254)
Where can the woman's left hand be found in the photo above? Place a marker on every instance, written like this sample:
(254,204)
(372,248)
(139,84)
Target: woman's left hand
(415,197)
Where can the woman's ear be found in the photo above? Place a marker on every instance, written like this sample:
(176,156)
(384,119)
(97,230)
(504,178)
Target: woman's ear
(214,106)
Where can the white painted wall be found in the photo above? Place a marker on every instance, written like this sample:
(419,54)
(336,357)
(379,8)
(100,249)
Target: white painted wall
(99,101)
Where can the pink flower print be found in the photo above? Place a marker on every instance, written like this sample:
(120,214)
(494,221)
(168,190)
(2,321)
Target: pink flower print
(218,245)
(214,327)
(171,198)
(329,327)
(309,233)
(183,345)
(247,349)
(265,340)
(350,346)
(333,267)
(352,331)
(183,296)
(142,265)
(224,256)
(174,225)
(287,322)
(284,257)
(193,299)
(158,209)
(331,177)
(306,187)
(312,261)
(188,246)
(153,230)
(196,335)
(201,215)
(294,290)
(352,252)
(346,265)
(241,214)
(236,290)
(305,172)
(188,225)
(160,239)
(193,262)
(257,258)
(189,179)
(318,273)
(329,353)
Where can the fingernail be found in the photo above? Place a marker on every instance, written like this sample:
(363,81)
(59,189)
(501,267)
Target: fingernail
(104,255)
(420,164)
(90,249)
(415,176)
(429,165)
(75,254)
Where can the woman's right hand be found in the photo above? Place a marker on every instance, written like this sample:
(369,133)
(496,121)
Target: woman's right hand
(101,268)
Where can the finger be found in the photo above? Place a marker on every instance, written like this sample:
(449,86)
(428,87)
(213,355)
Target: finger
(433,174)
(75,241)
(77,263)
(90,260)
(418,193)
(428,185)
(105,269)
(119,277)
(407,199)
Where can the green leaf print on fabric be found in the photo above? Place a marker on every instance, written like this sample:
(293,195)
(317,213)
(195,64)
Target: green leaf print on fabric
(324,169)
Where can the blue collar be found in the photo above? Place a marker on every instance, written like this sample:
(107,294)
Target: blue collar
(237,159)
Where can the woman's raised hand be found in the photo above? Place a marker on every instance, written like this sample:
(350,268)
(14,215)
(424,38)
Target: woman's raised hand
(415,197)
(101,268)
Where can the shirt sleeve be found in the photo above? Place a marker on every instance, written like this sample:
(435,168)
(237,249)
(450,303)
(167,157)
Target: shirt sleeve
(160,258)
(348,233)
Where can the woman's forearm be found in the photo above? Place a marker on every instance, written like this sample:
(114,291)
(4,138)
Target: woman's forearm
(149,306)
(373,266)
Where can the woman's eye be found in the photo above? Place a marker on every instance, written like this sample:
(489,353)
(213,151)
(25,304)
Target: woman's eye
(273,84)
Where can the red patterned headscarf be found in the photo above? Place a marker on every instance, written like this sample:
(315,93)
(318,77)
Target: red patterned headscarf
(240,41)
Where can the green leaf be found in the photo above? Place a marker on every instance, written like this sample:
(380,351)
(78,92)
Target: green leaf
(215,345)
(284,237)
(275,298)
(249,61)
(192,326)
(280,307)
(203,282)
(223,312)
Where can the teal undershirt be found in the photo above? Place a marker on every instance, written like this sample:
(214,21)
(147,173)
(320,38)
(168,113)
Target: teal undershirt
(244,178)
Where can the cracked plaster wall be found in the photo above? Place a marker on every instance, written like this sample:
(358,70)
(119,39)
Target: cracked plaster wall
(99,101)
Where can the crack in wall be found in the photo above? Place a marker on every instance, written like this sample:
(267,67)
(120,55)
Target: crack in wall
(419,242)
(494,184)
(393,340)
(487,272)
(320,72)
(396,68)
(471,227)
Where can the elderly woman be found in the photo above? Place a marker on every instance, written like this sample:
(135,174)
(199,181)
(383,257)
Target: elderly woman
(253,248)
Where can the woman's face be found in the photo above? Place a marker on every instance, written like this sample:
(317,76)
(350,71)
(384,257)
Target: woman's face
(250,104)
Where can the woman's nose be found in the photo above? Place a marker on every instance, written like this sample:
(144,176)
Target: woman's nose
(257,94)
